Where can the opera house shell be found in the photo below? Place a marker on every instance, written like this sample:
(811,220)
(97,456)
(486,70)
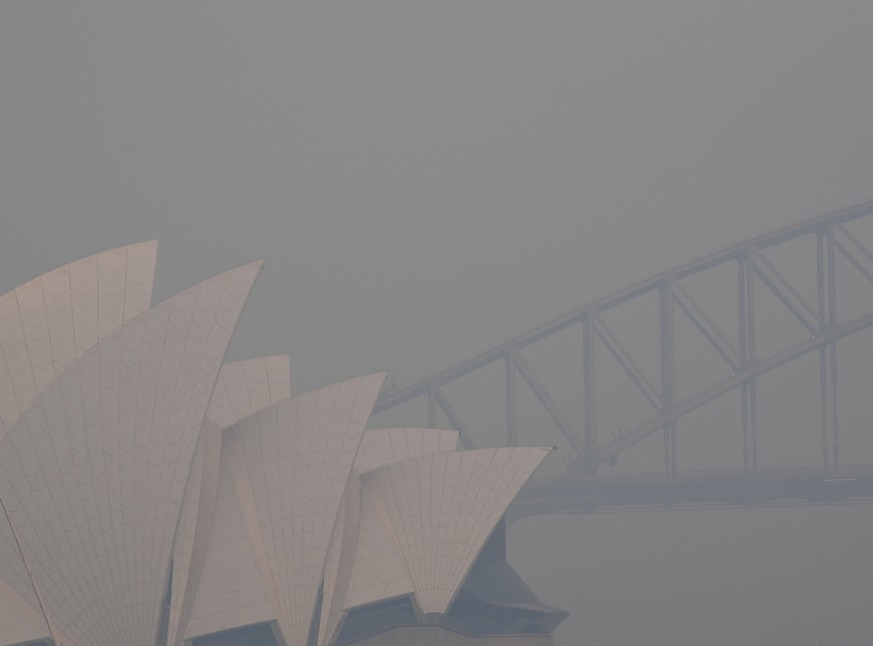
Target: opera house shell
(152,495)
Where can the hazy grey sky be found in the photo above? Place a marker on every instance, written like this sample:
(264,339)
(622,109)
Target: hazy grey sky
(425,180)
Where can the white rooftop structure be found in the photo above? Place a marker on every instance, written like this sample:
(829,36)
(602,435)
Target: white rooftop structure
(151,494)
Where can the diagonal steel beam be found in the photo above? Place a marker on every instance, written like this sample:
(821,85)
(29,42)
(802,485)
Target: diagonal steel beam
(751,262)
(818,316)
(754,370)
(550,406)
(839,218)
(618,352)
(440,398)
(780,294)
(848,255)
(704,324)
(854,240)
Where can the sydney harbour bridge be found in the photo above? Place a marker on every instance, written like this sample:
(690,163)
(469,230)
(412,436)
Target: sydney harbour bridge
(757,333)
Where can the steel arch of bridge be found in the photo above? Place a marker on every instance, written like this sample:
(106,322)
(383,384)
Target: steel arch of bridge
(833,238)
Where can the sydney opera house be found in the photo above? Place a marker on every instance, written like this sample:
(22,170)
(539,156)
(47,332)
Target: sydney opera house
(154,496)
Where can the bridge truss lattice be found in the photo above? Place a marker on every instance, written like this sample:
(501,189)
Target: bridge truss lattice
(815,274)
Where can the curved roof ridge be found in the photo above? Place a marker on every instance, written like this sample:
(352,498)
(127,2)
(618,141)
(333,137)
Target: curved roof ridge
(379,570)
(20,622)
(108,446)
(49,322)
(299,454)
(243,389)
(443,507)
(18,591)
(346,554)
(246,387)
(383,446)
(232,585)
(125,445)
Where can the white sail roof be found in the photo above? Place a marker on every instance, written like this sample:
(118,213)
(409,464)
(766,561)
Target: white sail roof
(20,622)
(364,564)
(125,446)
(49,322)
(340,559)
(381,446)
(379,571)
(350,561)
(45,326)
(21,611)
(232,590)
(247,387)
(242,389)
(443,507)
(299,455)
(92,474)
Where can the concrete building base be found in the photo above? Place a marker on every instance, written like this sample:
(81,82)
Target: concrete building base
(440,636)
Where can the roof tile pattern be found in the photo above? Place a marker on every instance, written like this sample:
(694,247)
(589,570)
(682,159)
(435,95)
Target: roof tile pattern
(299,455)
(93,473)
(379,570)
(242,389)
(373,564)
(246,387)
(49,322)
(12,568)
(381,446)
(20,623)
(45,326)
(340,559)
(195,524)
(443,507)
(125,446)
(231,591)
(18,597)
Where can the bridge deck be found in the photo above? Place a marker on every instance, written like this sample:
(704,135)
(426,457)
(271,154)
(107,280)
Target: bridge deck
(774,487)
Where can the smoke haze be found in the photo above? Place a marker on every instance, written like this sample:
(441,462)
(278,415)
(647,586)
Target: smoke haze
(426,180)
